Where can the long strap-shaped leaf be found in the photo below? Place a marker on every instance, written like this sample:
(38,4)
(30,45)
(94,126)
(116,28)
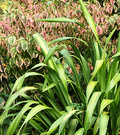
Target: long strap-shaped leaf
(113,82)
(104,103)
(70,62)
(11,99)
(89,20)
(103,124)
(66,38)
(90,109)
(83,63)
(32,113)
(64,121)
(15,123)
(80,131)
(56,124)
(90,87)
(61,19)
(45,50)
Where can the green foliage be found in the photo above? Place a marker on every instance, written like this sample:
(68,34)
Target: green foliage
(19,21)
(84,102)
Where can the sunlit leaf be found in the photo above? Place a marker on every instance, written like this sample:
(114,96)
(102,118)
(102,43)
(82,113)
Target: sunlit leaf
(103,124)
(104,103)
(90,109)
(90,88)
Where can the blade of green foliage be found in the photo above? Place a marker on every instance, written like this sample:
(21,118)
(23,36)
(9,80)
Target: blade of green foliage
(44,133)
(83,63)
(89,20)
(85,69)
(80,131)
(55,113)
(98,65)
(90,87)
(104,103)
(65,38)
(42,119)
(115,63)
(39,65)
(15,123)
(18,84)
(72,126)
(41,43)
(109,37)
(64,121)
(25,134)
(32,113)
(45,118)
(113,82)
(62,74)
(56,124)
(96,126)
(51,86)
(70,62)
(61,19)
(18,103)
(31,74)
(113,70)
(15,95)
(44,48)
(118,48)
(114,118)
(59,89)
(90,109)
(36,125)
(103,124)
(50,97)
(24,95)
(92,52)
(117,95)
(101,77)
(92,121)
(97,51)
(116,55)
(50,53)
(11,99)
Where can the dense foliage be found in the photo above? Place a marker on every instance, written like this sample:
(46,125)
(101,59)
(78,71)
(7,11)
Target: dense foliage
(75,89)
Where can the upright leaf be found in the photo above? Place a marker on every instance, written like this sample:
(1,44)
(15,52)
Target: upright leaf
(104,103)
(103,124)
(80,131)
(90,109)
(90,88)
(65,119)
(89,20)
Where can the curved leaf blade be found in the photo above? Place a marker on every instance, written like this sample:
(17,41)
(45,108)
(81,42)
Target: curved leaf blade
(90,109)
(89,20)
(65,119)
(113,82)
(80,131)
(105,102)
(56,124)
(62,20)
(90,88)
(103,124)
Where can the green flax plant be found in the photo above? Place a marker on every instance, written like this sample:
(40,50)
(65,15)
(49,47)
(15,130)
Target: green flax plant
(93,106)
